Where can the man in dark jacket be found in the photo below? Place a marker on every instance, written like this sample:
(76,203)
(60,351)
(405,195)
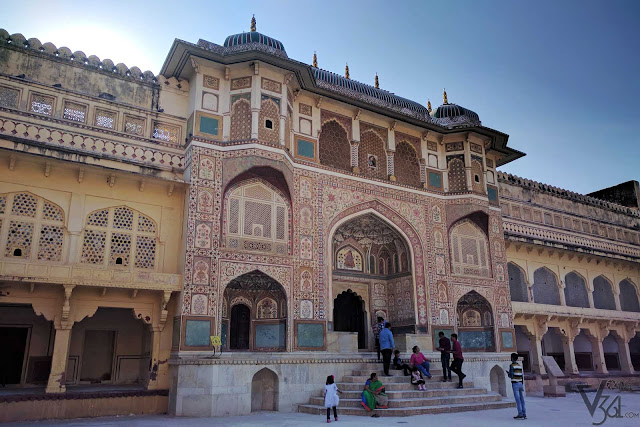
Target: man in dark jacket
(444,347)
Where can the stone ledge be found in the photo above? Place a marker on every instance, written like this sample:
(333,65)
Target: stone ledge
(81,395)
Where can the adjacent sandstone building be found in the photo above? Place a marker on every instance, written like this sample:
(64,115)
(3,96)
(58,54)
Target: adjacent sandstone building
(279,207)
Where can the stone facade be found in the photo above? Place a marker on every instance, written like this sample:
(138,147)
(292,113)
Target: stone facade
(241,200)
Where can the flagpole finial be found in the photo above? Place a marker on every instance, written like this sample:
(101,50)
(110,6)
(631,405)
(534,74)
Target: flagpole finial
(315,60)
(253,23)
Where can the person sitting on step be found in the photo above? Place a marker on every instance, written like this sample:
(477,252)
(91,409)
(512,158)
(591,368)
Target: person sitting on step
(416,379)
(398,364)
(418,360)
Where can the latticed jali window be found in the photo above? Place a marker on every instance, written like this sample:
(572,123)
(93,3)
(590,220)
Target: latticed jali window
(9,97)
(257,219)
(105,119)
(469,254)
(133,125)
(41,104)
(74,111)
(31,228)
(166,132)
(119,237)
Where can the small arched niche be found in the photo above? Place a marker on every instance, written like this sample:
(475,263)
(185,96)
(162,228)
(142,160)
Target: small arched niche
(264,391)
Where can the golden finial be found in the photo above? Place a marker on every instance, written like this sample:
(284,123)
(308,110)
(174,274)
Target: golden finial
(444,97)
(429,105)
(315,60)
(377,83)
(346,71)
(253,23)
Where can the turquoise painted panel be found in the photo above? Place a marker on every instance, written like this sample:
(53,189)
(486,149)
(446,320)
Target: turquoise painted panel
(209,125)
(223,334)
(311,335)
(507,339)
(476,339)
(197,333)
(306,148)
(270,335)
(435,179)
(493,194)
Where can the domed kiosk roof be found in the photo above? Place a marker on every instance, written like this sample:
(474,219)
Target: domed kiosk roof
(452,115)
(253,37)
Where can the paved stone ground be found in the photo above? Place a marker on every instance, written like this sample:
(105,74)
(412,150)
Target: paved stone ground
(545,412)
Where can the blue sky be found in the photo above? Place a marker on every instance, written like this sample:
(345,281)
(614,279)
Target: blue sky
(562,78)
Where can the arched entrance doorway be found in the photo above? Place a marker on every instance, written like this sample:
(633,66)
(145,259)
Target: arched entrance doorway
(254,314)
(475,322)
(240,327)
(349,316)
(372,260)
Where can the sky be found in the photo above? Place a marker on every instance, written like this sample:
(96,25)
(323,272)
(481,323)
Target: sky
(561,78)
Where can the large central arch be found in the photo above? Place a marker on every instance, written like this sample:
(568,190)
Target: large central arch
(414,261)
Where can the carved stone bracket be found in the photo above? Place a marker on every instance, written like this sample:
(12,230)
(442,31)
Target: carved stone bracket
(66,306)
(166,296)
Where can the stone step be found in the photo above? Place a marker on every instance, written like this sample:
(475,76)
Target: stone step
(391,379)
(406,385)
(394,372)
(418,402)
(408,411)
(413,393)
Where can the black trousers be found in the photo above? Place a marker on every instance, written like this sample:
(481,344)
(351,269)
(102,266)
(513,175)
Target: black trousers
(404,367)
(335,412)
(378,347)
(445,357)
(386,359)
(456,366)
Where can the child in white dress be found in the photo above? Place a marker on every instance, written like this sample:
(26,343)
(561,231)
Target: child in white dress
(331,398)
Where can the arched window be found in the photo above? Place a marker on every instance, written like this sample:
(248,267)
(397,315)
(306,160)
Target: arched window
(119,236)
(257,218)
(457,174)
(603,294)
(240,117)
(545,287)
(477,175)
(628,297)
(334,148)
(517,283)
(469,252)
(31,228)
(269,120)
(372,154)
(407,165)
(575,291)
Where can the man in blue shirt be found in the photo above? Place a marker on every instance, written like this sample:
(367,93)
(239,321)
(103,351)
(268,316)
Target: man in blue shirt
(386,347)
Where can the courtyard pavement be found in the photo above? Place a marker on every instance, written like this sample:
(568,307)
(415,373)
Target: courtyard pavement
(547,412)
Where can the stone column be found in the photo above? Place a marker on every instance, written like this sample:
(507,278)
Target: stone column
(537,365)
(155,357)
(625,355)
(391,166)
(570,366)
(283,137)
(255,118)
(598,354)
(226,126)
(616,296)
(355,145)
(57,377)
(563,299)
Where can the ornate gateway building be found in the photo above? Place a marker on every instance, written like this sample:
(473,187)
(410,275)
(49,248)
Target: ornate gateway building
(244,195)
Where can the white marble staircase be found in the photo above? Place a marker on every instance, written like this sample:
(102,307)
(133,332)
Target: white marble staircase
(405,399)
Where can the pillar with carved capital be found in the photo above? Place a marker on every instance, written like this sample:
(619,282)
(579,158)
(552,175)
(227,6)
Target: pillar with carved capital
(283,124)
(57,377)
(598,354)
(155,359)
(570,365)
(535,339)
(623,350)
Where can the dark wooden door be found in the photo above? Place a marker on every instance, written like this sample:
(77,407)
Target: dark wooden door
(14,344)
(349,316)
(240,327)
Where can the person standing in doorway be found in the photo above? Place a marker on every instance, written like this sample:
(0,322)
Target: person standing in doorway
(386,347)
(516,374)
(458,359)
(444,347)
(377,328)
